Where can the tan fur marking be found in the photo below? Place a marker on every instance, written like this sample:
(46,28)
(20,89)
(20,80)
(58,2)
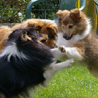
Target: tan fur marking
(44,37)
(25,37)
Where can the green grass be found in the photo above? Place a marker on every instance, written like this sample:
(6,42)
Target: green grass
(74,82)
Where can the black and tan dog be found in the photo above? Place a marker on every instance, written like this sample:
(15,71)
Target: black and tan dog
(26,62)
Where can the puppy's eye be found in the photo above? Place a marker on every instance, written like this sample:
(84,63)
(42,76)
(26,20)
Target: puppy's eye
(43,41)
(70,26)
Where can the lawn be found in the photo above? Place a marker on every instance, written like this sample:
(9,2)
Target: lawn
(74,82)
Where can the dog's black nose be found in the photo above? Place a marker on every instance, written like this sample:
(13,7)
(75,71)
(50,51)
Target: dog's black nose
(64,36)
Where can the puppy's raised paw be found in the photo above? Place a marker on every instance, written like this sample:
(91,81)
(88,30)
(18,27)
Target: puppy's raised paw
(70,62)
(62,49)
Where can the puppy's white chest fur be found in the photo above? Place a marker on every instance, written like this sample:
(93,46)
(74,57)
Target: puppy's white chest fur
(62,41)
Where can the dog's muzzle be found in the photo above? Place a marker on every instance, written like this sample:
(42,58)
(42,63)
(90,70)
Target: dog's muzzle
(67,37)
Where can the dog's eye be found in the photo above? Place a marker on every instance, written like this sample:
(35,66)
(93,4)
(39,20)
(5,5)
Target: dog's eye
(43,41)
(70,26)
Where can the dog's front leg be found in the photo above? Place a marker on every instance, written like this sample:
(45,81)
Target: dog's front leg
(57,53)
(55,67)
(72,52)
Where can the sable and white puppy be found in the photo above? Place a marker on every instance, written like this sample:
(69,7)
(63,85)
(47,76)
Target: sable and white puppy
(26,62)
(76,28)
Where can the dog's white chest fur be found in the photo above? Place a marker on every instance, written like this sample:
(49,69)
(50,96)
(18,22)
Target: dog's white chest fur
(12,50)
(62,41)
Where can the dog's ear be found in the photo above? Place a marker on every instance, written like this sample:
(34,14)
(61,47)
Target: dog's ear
(59,14)
(52,33)
(62,13)
(35,25)
(75,14)
(25,37)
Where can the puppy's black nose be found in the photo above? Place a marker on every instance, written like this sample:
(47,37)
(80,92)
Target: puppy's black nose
(64,36)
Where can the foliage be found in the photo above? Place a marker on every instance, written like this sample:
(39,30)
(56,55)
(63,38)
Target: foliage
(46,9)
(13,11)
(10,9)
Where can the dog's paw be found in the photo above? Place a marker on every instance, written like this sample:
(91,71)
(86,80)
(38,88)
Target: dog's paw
(70,62)
(62,49)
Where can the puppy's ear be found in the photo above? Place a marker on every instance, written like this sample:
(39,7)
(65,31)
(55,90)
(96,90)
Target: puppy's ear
(52,33)
(75,14)
(62,13)
(59,13)
(25,37)
(35,25)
